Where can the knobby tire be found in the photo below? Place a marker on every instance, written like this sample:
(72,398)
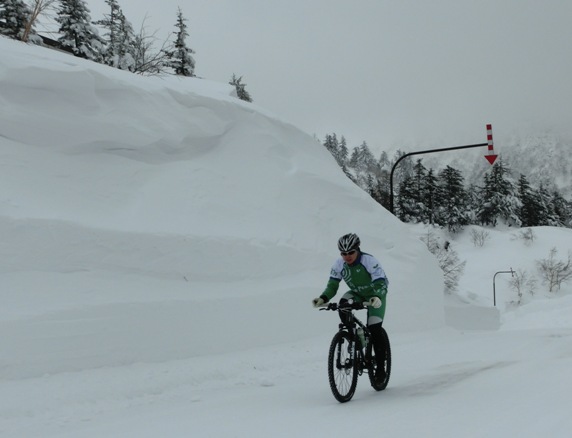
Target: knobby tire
(342,369)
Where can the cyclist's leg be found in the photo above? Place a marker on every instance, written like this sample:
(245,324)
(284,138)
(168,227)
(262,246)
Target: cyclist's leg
(349,295)
(375,316)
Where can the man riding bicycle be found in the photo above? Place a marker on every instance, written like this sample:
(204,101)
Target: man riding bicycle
(367,281)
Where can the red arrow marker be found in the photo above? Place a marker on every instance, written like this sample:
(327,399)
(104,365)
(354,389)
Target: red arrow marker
(491,157)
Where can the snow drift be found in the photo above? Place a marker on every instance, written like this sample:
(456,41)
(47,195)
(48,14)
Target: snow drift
(133,190)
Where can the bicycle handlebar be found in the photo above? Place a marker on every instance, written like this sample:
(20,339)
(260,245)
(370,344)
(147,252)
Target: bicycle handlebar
(350,305)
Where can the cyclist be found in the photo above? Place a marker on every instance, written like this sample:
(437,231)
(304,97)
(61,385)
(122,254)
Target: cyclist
(367,281)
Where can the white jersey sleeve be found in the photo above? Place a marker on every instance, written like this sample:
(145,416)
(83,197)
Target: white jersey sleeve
(336,272)
(374,268)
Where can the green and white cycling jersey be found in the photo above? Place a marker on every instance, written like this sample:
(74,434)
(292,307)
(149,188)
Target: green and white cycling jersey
(365,277)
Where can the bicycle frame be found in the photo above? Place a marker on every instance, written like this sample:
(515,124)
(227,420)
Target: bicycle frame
(362,357)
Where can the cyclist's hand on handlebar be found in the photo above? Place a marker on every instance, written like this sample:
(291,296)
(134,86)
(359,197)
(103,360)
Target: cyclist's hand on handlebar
(318,302)
(375,302)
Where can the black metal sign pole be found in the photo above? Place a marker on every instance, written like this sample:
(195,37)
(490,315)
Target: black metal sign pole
(423,152)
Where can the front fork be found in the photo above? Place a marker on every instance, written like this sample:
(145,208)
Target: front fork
(355,352)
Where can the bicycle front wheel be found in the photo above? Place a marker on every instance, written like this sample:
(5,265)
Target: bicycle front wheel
(342,369)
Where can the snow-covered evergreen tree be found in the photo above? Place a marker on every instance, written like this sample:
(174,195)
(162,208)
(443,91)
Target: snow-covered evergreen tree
(403,170)
(359,176)
(119,38)
(362,160)
(180,55)
(110,23)
(123,55)
(382,189)
(562,209)
(417,195)
(383,161)
(406,208)
(370,185)
(473,201)
(342,155)
(530,210)
(77,32)
(331,144)
(419,192)
(499,198)
(452,211)
(14,15)
(241,92)
(355,160)
(430,196)
(546,212)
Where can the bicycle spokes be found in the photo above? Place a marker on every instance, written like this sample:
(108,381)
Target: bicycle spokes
(342,370)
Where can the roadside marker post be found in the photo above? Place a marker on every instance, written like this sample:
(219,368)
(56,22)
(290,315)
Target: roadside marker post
(491,156)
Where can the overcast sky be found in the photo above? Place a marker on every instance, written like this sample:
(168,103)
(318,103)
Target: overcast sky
(388,72)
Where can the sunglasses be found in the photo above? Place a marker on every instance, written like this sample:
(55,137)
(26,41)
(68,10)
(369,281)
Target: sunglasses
(347,253)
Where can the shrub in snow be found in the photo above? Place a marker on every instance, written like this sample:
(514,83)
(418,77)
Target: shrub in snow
(526,235)
(479,237)
(522,284)
(555,272)
(448,260)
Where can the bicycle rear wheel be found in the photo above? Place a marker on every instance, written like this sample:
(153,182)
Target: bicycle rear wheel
(379,385)
(342,369)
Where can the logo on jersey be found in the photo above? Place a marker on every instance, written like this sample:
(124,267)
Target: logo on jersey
(347,277)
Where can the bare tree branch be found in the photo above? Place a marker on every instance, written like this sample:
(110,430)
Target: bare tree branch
(37,7)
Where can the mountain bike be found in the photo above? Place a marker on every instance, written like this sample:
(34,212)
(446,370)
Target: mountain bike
(349,358)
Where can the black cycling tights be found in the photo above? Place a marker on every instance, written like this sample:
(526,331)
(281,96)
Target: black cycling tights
(375,330)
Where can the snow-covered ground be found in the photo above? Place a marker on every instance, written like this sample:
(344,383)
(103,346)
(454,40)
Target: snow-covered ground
(161,242)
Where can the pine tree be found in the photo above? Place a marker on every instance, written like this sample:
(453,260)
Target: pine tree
(529,213)
(354,161)
(404,169)
(241,92)
(119,37)
(342,155)
(382,189)
(180,56)
(547,214)
(499,199)
(123,58)
(473,202)
(370,185)
(362,160)
(419,191)
(452,201)
(78,35)
(406,206)
(14,16)
(430,196)
(331,144)
(384,161)
(561,209)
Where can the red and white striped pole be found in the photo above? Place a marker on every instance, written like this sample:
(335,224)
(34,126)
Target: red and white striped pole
(491,156)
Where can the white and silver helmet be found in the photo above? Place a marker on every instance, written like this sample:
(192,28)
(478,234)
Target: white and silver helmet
(348,242)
